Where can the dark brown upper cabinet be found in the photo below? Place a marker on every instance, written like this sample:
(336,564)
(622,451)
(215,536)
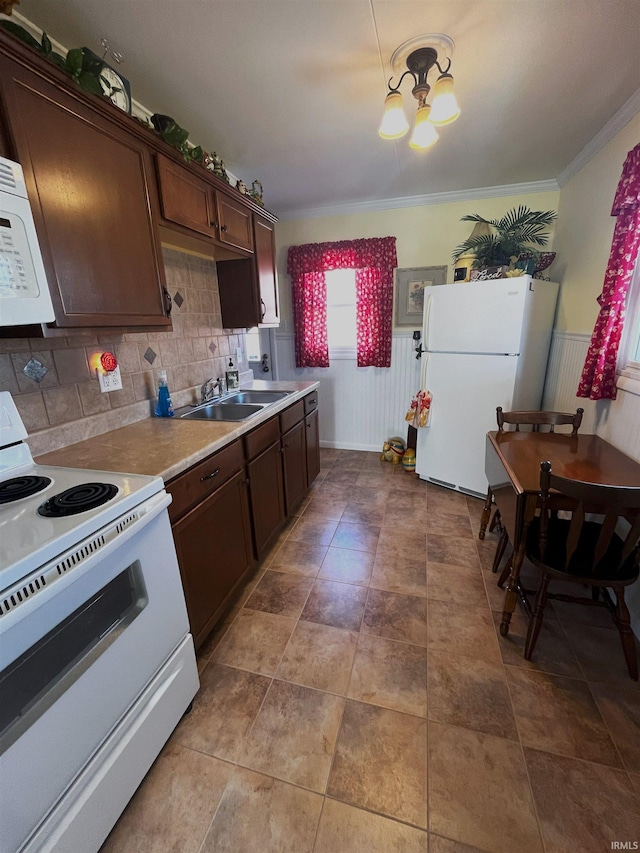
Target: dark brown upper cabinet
(234,223)
(248,287)
(92,191)
(185,198)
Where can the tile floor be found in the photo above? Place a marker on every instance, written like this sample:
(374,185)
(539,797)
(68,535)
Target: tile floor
(358,698)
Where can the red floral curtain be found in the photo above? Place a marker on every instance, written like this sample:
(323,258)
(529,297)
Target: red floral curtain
(374,260)
(598,379)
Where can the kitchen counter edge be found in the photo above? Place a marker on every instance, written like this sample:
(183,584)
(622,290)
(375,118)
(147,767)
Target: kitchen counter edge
(166,447)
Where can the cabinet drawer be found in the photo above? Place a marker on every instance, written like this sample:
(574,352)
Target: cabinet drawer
(260,438)
(194,485)
(311,402)
(291,416)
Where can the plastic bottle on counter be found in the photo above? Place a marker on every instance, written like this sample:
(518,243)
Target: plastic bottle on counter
(164,407)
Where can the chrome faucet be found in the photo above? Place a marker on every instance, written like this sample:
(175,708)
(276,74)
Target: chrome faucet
(208,390)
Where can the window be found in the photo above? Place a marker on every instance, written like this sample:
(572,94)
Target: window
(252,342)
(341,313)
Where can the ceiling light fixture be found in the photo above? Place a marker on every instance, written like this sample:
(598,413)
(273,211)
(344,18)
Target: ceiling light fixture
(420,55)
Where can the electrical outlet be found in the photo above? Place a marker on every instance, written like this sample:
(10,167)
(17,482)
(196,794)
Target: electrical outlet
(238,355)
(111,381)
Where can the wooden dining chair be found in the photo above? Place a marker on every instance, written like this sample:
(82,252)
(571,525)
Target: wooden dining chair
(535,420)
(589,552)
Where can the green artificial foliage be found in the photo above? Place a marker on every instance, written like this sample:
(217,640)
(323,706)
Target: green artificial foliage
(517,233)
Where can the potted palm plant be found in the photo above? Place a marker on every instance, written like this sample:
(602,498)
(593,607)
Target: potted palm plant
(518,233)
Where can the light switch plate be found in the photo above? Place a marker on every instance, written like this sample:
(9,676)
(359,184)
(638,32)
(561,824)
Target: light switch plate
(111,381)
(238,355)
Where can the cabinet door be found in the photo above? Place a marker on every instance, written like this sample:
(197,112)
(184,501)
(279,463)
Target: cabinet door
(234,222)
(213,542)
(92,192)
(265,262)
(312,446)
(185,198)
(267,497)
(294,466)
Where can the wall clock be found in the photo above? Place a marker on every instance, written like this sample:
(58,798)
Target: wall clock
(114,85)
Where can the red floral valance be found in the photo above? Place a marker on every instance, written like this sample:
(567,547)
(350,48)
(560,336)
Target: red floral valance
(374,260)
(598,379)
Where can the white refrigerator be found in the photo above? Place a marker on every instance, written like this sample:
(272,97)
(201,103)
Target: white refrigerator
(486,345)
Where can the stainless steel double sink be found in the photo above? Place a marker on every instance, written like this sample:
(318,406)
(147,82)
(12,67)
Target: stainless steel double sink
(237,406)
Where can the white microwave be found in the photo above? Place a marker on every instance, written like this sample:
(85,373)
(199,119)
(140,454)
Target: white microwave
(24,292)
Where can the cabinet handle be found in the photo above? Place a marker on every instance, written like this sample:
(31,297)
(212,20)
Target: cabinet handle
(210,476)
(213,224)
(168,302)
(264,310)
(308,426)
(312,402)
(223,227)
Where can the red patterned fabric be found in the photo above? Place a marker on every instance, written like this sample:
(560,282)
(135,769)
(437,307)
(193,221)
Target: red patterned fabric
(374,260)
(598,379)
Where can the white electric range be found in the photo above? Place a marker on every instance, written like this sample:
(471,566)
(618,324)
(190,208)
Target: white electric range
(96,660)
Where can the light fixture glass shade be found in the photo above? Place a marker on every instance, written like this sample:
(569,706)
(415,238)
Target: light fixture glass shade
(424,133)
(444,108)
(394,122)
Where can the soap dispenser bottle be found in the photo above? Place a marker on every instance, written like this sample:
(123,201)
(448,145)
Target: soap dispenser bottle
(164,407)
(232,376)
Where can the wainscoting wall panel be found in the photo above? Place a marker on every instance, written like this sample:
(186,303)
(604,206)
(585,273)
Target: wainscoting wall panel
(360,406)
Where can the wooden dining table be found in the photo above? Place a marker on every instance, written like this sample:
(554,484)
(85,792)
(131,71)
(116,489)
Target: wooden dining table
(512,466)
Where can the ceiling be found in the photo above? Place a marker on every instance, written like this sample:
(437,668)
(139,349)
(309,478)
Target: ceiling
(291,91)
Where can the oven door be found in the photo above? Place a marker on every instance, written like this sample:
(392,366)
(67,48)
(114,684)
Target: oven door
(77,652)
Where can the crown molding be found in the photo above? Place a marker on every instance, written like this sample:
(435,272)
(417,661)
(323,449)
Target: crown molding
(420,200)
(624,115)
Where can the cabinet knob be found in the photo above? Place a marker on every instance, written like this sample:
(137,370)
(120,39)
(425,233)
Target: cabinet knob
(223,227)
(168,302)
(213,224)
(210,476)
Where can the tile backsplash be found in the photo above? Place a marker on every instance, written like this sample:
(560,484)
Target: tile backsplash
(67,406)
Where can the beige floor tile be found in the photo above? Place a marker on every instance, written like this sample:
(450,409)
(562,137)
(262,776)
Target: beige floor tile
(552,652)
(174,806)
(409,545)
(470,692)
(374,480)
(255,641)
(314,530)
(258,813)
(343,564)
(358,513)
(299,558)
(281,593)
(620,706)
(454,525)
(580,614)
(390,674)
(342,475)
(582,806)
(456,584)
(340,605)
(461,629)
(479,792)
(406,519)
(558,714)
(217,635)
(438,844)
(223,711)
(319,656)
(444,500)
(455,550)
(294,735)
(358,537)
(330,491)
(397,617)
(407,500)
(380,763)
(398,573)
(325,509)
(487,551)
(345,829)
(371,498)
(408,482)
(599,652)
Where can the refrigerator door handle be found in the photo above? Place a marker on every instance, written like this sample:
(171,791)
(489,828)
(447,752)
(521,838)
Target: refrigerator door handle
(425,339)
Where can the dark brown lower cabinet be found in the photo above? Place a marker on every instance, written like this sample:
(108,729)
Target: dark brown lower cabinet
(266,496)
(214,548)
(294,465)
(313,446)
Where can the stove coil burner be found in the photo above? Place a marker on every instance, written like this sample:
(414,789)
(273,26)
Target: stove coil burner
(21,487)
(77,499)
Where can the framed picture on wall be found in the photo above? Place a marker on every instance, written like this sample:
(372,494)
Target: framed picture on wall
(409,292)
